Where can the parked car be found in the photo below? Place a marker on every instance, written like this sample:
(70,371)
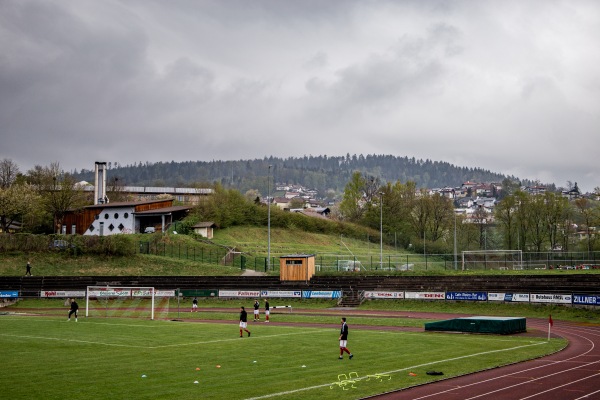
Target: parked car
(149,229)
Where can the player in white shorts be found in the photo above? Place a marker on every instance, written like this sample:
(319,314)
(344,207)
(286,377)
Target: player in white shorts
(243,322)
(256,308)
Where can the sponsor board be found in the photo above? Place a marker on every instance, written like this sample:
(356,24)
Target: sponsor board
(466,296)
(551,298)
(239,293)
(321,294)
(199,293)
(281,293)
(164,293)
(509,297)
(141,292)
(384,295)
(109,293)
(425,295)
(586,299)
(9,294)
(62,293)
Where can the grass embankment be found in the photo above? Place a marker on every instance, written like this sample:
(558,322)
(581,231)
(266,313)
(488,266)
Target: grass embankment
(182,255)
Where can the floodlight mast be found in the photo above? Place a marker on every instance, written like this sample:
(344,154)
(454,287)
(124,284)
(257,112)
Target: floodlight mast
(455,247)
(269,220)
(381,230)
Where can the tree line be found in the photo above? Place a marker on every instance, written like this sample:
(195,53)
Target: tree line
(420,220)
(322,173)
(406,215)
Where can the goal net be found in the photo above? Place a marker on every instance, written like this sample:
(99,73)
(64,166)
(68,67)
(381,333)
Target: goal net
(119,301)
(492,259)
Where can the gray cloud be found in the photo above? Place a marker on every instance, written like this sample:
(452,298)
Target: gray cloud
(508,86)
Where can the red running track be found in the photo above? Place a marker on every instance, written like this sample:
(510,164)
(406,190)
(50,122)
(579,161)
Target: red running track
(571,374)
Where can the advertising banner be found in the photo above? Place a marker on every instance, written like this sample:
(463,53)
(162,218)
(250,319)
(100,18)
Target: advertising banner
(62,293)
(9,294)
(466,296)
(164,293)
(200,293)
(551,298)
(321,294)
(239,293)
(586,299)
(383,295)
(509,297)
(141,292)
(425,295)
(281,293)
(109,293)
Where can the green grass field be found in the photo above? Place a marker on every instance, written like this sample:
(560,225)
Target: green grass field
(44,356)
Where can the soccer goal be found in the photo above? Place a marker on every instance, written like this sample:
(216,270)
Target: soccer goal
(492,259)
(119,301)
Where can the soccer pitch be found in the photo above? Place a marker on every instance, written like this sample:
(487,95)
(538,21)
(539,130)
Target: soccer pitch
(50,358)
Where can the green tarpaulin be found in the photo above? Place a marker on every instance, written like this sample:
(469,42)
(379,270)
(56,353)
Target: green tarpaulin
(498,325)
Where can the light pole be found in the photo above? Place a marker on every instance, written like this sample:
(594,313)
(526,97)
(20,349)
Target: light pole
(269,220)
(381,230)
(455,262)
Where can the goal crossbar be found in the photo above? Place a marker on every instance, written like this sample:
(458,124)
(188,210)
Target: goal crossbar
(119,292)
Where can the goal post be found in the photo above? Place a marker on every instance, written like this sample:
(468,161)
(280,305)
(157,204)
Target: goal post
(492,259)
(100,297)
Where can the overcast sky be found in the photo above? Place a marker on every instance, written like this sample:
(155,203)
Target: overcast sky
(508,86)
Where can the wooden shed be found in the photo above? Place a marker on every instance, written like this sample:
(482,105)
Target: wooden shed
(296,267)
(205,229)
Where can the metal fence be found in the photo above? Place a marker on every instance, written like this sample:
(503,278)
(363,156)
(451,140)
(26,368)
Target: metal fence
(328,262)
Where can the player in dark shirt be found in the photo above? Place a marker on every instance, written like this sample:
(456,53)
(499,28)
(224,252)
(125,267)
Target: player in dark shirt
(256,311)
(73,310)
(243,322)
(267,310)
(344,340)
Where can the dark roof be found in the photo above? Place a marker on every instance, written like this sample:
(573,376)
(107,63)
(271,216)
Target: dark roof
(126,203)
(164,210)
(208,224)
(298,256)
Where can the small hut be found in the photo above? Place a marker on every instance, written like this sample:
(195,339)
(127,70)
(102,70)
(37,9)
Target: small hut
(296,267)
(204,229)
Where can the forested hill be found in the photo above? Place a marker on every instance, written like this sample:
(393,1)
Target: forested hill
(315,172)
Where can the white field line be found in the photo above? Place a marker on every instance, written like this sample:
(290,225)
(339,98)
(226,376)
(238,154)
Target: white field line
(72,341)
(231,340)
(155,347)
(466,337)
(87,322)
(395,371)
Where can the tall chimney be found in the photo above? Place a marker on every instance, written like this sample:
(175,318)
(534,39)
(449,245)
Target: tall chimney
(100,183)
